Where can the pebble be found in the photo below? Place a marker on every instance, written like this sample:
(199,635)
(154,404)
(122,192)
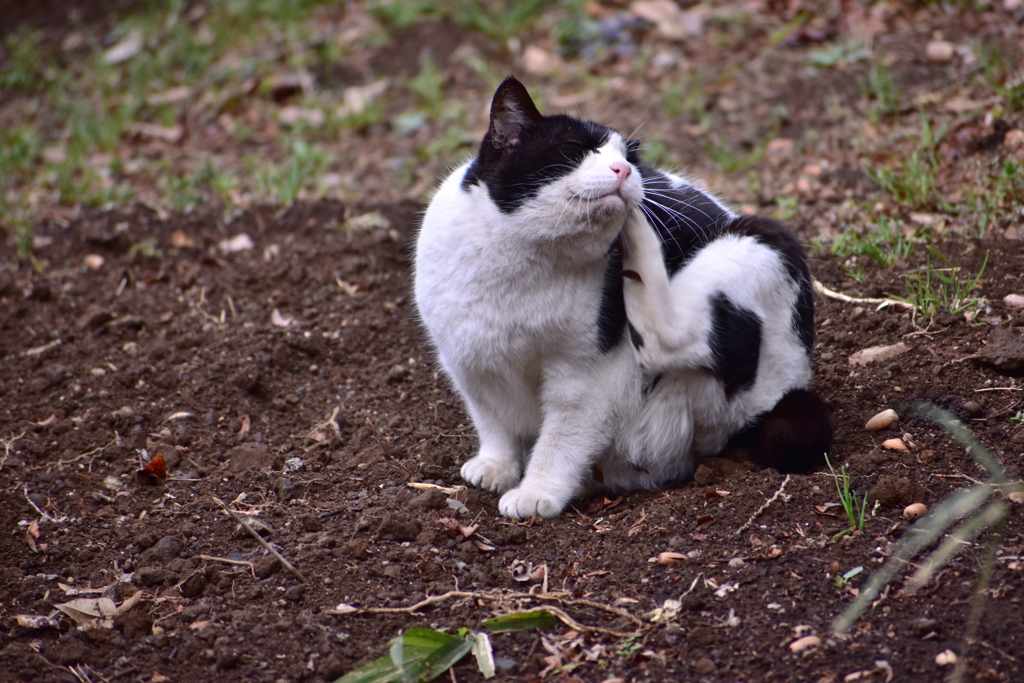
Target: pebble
(914,511)
(1016,497)
(1014,300)
(939,51)
(894,445)
(881,420)
(946,658)
(670,558)
(801,644)
(293,465)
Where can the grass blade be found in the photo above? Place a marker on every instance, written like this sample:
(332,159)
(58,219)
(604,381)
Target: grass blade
(521,621)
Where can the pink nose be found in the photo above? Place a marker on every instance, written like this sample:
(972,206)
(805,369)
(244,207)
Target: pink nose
(621,169)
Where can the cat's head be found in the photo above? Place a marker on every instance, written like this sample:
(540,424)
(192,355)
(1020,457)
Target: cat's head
(575,171)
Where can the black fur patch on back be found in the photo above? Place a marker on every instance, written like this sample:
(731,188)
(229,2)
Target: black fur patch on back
(773,234)
(794,436)
(735,344)
(685,218)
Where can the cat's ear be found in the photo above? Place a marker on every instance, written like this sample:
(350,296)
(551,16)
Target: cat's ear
(512,110)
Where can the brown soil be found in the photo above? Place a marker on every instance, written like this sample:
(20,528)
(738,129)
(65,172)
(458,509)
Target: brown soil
(179,348)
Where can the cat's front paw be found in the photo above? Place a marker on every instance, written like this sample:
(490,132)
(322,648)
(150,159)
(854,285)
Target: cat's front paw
(524,502)
(491,473)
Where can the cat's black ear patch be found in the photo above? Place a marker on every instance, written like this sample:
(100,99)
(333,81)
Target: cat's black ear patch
(512,110)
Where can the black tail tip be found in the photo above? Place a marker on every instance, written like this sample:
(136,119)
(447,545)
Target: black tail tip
(795,435)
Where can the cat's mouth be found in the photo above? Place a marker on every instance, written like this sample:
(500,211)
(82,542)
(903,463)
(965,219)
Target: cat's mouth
(610,200)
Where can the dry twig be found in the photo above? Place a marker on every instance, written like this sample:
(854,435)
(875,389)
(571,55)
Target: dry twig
(882,303)
(496,596)
(763,507)
(260,539)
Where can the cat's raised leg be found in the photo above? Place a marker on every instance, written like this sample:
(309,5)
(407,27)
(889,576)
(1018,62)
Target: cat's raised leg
(665,331)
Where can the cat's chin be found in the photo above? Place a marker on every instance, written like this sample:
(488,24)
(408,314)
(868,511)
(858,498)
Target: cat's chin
(611,205)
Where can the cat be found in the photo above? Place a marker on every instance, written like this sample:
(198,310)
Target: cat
(606,323)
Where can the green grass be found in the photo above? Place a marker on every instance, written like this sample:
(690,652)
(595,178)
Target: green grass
(885,244)
(941,285)
(882,89)
(732,160)
(913,182)
(855,508)
(24,68)
(284,183)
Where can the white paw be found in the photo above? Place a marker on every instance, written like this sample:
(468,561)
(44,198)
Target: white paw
(523,502)
(491,473)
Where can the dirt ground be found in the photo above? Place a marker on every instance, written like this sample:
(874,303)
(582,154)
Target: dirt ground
(273,359)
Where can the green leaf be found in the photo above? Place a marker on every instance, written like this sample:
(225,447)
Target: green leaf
(483,653)
(379,671)
(521,621)
(427,663)
(420,654)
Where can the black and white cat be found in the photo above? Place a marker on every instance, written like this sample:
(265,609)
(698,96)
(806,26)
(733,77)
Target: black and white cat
(606,323)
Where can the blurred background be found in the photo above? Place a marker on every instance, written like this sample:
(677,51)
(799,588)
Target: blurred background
(840,116)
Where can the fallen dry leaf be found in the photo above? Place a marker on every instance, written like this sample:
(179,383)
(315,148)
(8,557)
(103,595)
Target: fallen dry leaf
(877,353)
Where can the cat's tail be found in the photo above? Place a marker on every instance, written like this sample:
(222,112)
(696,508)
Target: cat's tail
(794,436)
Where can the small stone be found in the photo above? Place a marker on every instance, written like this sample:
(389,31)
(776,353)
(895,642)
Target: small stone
(924,626)
(293,465)
(939,51)
(881,420)
(431,499)
(668,558)
(973,409)
(356,548)
(1014,300)
(877,353)
(894,445)
(194,586)
(704,667)
(165,550)
(226,656)
(914,511)
(946,658)
(891,491)
(394,528)
(398,373)
(332,667)
(801,644)
(93,261)
(266,566)
(295,593)
(152,576)
(250,456)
